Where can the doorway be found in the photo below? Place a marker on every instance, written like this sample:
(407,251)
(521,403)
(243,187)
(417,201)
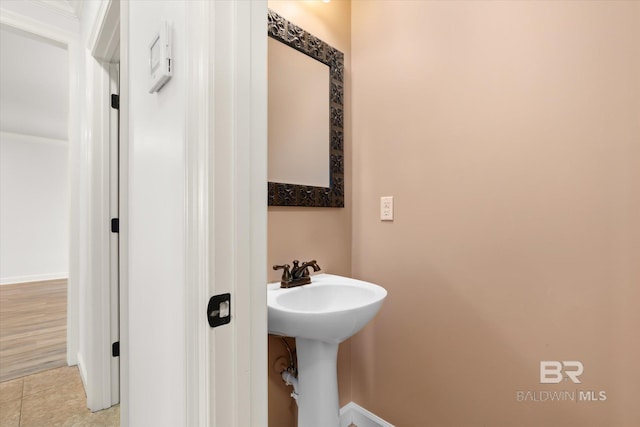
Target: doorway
(34,201)
(92,312)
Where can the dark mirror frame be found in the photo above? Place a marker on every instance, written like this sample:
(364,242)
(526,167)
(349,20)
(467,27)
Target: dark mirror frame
(285,194)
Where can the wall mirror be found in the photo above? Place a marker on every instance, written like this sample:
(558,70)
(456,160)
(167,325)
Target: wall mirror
(306,114)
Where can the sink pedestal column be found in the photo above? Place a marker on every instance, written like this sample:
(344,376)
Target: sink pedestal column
(317,384)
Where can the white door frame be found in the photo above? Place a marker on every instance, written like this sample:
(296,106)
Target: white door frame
(226,211)
(198,123)
(69,39)
(101,373)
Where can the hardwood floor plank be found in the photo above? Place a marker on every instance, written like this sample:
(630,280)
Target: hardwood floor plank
(33,327)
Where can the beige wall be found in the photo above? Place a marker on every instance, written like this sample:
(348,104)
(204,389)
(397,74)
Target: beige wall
(323,234)
(509,134)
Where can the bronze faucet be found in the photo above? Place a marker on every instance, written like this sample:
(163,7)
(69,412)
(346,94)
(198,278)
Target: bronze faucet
(298,275)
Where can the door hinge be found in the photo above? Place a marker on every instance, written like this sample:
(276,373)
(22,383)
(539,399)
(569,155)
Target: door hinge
(115,225)
(115,101)
(115,349)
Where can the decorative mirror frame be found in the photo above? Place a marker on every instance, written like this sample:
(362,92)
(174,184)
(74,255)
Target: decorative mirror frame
(284,194)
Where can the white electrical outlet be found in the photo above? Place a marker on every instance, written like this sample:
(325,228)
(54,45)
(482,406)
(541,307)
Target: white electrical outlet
(386,208)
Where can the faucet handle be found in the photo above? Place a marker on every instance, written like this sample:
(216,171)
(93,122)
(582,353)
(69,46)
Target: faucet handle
(303,270)
(286,274)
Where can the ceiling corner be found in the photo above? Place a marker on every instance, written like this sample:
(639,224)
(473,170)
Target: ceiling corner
(77,7)
(68,8)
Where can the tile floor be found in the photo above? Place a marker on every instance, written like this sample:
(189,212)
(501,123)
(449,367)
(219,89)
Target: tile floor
(50,399)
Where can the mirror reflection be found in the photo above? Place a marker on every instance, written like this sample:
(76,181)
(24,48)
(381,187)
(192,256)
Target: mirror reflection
(306,114)
(298,117)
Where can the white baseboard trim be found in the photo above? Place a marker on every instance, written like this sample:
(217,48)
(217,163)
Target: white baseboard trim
(33,278)
(352,413)
(82,370)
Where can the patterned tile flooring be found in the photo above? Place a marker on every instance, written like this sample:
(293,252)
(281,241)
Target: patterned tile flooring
(53,398)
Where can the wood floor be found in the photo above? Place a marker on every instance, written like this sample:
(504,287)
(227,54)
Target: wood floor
(33,327)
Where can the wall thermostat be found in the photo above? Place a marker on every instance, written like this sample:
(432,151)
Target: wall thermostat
(160,66)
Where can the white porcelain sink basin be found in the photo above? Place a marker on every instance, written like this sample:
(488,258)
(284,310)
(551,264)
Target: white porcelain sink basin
(320,316)
(331,309)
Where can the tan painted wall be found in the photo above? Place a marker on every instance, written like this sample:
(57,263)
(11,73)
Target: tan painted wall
(323,234)
(509,134)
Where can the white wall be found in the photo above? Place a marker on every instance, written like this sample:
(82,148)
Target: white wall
(157,233)
(34,123)
(87,323)
(35,99)
(34,208)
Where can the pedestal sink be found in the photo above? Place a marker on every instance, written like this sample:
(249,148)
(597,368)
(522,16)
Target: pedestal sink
(320,316)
